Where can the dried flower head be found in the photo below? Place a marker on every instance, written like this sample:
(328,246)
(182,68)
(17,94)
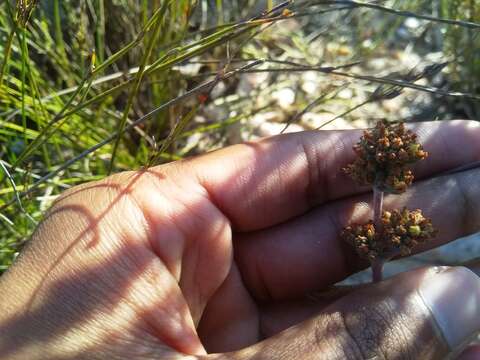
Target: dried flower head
(383,156)
(399,233)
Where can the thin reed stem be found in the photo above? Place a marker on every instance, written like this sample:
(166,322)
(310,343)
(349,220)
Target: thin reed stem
(377,207)
(377,270)
(378,263)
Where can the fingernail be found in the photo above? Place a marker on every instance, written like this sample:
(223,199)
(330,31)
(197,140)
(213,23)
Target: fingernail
(453,297)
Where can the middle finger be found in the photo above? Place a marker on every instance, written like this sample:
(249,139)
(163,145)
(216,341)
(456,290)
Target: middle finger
(306,254)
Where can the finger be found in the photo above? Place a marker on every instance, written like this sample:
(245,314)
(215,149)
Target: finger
(278,316)
(470,353)
(417,315)
(230,320)
(263,183)
(306,254)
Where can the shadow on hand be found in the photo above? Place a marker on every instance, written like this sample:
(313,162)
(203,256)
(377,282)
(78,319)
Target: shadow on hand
(74,297)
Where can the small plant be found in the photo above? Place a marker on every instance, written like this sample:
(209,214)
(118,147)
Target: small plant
(384,156)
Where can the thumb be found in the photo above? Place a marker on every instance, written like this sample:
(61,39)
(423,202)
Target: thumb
(424,314)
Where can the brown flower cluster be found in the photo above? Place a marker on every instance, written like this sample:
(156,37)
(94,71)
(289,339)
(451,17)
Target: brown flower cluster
(383,156)
(399,233)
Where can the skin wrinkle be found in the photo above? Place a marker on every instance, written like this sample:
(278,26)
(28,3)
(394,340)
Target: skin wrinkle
(316,168)
(399,328)
(90,219)
(147,229)
(330,327)
(384,319)
(200,301)
(287,187)
(159,333)
(82,188)
(267,294)
(213,198)
(343,147)
(262,330)
(260,314)
(150,221)
(404,326)
(195,217)
(234,312)
(171,264)
(466,203)
(209,196)
(347,249)
(351,342)
(152,326)
(353,338)
(195,248)
(319,175)
(312,161)
(183,318)
(380,315)
(447,147)
(329,177)
(213,215)
(224,231)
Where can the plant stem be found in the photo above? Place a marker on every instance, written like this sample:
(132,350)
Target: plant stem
(377,270)
(377,207)
(377,264)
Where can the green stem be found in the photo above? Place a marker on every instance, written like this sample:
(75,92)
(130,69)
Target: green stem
(6,55)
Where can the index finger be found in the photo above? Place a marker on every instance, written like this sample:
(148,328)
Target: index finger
(306,253)
(260,184)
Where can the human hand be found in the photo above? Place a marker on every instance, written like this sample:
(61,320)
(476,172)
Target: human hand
(223,252)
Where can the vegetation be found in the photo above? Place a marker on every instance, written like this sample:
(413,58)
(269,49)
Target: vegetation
(98,86)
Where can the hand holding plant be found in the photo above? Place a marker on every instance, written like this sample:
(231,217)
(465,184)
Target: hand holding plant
(384,155)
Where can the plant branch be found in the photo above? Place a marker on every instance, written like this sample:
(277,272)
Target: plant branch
(377,207)
(16,193)
(403,13)
(381,80)
(378,263)
(377,269)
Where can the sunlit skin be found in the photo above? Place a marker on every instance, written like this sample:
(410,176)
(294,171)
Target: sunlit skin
(223,252)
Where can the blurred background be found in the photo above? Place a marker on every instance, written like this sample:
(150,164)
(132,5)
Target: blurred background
(90,87)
